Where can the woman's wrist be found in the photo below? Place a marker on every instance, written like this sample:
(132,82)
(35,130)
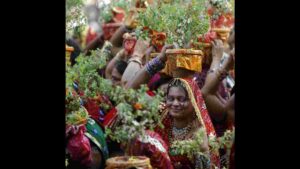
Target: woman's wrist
(154,66)
(161,58)
(221,73)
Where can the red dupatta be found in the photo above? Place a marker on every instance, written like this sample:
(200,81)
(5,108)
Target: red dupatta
(202,115)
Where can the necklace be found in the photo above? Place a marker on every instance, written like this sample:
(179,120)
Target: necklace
(178,133)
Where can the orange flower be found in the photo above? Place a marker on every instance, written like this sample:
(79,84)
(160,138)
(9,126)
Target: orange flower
(137,106)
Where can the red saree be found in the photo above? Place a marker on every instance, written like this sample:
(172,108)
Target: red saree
(178,161)
(203,117)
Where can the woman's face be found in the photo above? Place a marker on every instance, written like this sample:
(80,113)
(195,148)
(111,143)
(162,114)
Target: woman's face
(178,103)
(116,77)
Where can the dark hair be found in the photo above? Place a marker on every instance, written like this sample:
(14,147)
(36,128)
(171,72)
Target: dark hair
(121,66)
(158,83)
(177,83)
(76,52)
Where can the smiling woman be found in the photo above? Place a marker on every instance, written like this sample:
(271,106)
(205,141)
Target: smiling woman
(179,105)
(184,115)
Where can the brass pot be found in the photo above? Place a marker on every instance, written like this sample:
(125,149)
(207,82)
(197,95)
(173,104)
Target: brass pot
(123,162)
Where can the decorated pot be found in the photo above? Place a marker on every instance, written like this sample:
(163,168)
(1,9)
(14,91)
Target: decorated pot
(183,62)
(123,162)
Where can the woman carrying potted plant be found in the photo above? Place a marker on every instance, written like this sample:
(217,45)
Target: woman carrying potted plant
(185,113)
(86,145)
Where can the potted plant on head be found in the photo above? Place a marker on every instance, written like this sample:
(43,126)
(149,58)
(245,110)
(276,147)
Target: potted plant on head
(112,16)
(221,14)
(204,44)
(92,88)
(184,21)
(222,17)
(78,146)
(181,21)
(150,25)
(136,114)
(137,6)
(75,17)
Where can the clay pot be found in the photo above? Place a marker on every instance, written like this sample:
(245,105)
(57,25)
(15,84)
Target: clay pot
(123,162)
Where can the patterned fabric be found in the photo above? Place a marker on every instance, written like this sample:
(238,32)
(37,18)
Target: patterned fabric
(183,58)
(202,116)
(110,118)
(156,146)
(95,111)
(152,146)
(78,146)
(96,135)
(158,39)
(219,121)
(91,35)
(177,160)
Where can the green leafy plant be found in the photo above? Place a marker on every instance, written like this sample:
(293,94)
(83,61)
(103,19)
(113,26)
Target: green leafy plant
(72,3)
(76,114)
(77,117)
(136,113)
(221,7)
(181,20)
(192,147)
(84,72)
(221,142)
(75,17)
(189,147)
(136,110)
(72,100)
(224,142)
(106,14)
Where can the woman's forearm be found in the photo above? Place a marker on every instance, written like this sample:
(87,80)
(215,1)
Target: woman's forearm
(112,63)
(117,38)
(142,77)
(131,71)
(212,82)
(96,43)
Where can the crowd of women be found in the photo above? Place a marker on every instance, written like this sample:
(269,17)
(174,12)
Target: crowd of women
(202,100)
